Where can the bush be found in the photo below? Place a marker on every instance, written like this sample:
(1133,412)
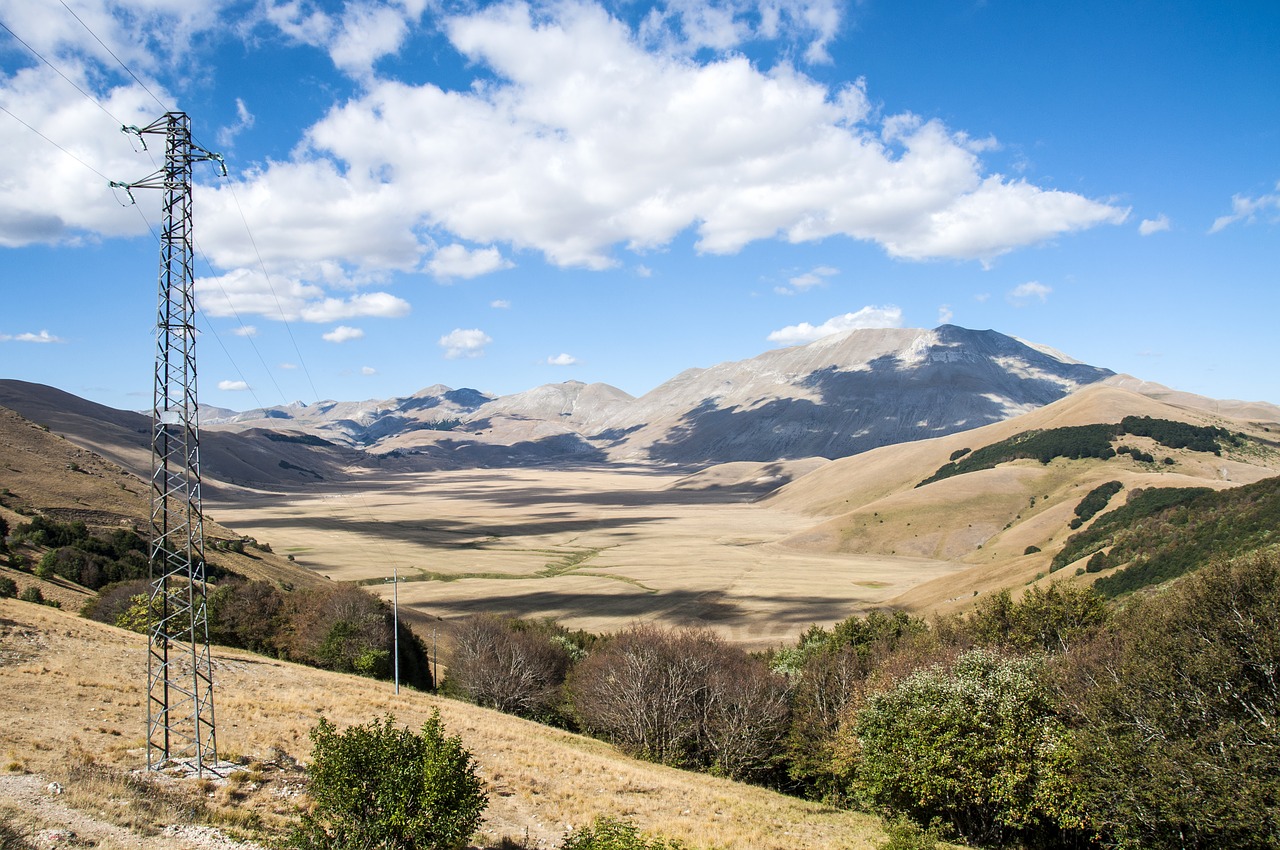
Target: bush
(378,786)
(1178,708)
(606,833)
(975,746)
(8,588)
(32,594)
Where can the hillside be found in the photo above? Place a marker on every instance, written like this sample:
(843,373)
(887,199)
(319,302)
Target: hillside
(55,667)
(989,519)
(42,472)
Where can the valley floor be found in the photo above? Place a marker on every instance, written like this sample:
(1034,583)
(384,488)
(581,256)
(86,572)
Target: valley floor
(595,549)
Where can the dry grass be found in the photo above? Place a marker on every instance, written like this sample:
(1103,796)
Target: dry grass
(595,549)
(74,712)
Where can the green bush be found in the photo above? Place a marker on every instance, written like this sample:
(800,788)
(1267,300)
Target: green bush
(8,588)
(32,594)
(379,786)
(975,746)
(606,833)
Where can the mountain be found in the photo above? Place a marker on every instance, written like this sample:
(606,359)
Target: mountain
(838,397)
(842,395)
(832,398)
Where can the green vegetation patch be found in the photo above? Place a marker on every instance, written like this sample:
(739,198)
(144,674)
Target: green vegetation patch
(1080,441)
(301,439)
(1167,532)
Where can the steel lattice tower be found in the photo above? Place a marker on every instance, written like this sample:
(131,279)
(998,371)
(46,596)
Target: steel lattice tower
(180,717)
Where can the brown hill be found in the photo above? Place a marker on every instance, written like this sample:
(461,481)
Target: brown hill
(42,472)
(74,713)
(989,519)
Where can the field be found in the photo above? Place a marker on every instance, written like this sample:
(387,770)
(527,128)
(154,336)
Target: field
(595,549)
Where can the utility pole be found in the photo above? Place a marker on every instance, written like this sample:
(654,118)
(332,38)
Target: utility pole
(395,608)
(180,716)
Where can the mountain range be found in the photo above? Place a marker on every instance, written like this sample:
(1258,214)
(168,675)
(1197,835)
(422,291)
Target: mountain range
(840,396)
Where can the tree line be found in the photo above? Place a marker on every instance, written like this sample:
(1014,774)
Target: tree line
(1051,720)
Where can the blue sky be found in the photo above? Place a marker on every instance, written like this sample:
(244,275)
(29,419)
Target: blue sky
(505,195)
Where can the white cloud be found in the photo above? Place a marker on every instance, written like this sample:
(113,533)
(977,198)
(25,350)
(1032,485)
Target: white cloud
(368,370)
(1154,225)
(244,121)
(1024,293)
(245,330)
(364,32)
(1248,209)
(233,386)
(456,261)
(806,281)
(500,304)
(342,333)
(464,343)
(288,367)
(868,317)
(577,139)
(945,314)
(562,360)
(40,338)
(247,291)
(644,271)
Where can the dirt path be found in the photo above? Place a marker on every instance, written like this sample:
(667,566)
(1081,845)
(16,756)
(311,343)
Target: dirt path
(48,822)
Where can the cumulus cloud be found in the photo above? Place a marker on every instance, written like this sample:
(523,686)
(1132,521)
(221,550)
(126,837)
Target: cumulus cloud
(580,138)
(1248,210)
(500,304)
(562,360)
(808,280)
(368,370)
(248,291)
(245,330)
(233,386)
(362,34)
(39,338)
(460,343)
(868,317)
(342,333)
(457,261)
(1154,225)
(1025,293)
(945,314)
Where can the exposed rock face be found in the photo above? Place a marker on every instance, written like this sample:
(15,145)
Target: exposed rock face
(845,394)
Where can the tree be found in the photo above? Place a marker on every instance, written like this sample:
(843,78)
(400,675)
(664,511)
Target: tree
(1176,711)
(974,745)
(510,665)
(1049,619)
(607,833)
(379,786)
(645,690)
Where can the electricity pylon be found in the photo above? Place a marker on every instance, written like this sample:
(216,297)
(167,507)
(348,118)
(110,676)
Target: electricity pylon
(180,717)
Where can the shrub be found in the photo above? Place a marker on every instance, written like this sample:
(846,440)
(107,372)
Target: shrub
(1178,708)
(509,665)
(386,787)
(975,745)
(607,833)
(8,588)
(32,594)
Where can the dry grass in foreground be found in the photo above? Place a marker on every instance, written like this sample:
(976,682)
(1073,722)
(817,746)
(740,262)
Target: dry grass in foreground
(73,712)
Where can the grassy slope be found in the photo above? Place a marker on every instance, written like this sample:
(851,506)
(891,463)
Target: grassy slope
(870,503)
(76,694)
(45,472)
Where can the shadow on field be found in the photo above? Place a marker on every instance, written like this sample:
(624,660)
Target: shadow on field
(454,532)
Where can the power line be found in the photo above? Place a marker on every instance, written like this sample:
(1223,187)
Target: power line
(114,56)
(57,71)
(55,144)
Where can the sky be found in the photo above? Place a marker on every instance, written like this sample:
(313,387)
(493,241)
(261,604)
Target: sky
(505,195)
